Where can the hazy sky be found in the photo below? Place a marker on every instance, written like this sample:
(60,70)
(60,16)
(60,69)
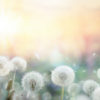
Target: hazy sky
(33,24)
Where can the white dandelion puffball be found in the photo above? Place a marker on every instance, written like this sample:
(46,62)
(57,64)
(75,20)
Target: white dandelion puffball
(89,86)
(32,81)
(82,97)
(4,66)
(96,94)
(98,73)
(19,63)
(73,89)
(62,76)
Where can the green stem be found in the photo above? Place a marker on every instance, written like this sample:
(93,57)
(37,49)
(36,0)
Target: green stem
(62,93)
(14,78)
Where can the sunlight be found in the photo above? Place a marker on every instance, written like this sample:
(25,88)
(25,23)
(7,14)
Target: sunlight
(9,24)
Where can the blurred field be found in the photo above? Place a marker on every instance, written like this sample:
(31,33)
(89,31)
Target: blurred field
(49,33)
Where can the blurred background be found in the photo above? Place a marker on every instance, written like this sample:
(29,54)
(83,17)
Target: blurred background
(49,33)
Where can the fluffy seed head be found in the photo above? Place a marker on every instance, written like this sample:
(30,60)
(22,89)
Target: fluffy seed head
(32,81)
(73,89)
(4,66)
(96,94)
(62,76)
(19,63)
(89,86)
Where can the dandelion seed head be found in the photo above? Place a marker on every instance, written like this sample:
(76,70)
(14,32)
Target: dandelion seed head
(96,94)
(32,81)
(3,61)
(73,89)
(19,63)
(4,66)
(89,86)
(63,76)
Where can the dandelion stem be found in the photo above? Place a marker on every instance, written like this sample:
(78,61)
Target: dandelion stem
(14,77)
(62,93)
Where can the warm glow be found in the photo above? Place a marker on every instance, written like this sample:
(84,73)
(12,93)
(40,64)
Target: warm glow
(8,23)
(40,26)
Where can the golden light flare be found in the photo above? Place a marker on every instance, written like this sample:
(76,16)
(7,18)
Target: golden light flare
(35,28)
(8,24)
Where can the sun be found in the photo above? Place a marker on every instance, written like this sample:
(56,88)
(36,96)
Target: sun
(9,24)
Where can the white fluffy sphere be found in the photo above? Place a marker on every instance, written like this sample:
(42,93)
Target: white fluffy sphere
(5,67)
(19,63)
(62,76)
(96,94)
(73,89)
(89,86)
(32,81)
